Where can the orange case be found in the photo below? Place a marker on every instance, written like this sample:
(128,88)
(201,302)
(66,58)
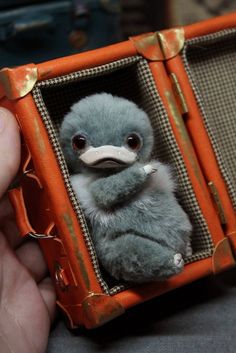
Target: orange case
(182,76)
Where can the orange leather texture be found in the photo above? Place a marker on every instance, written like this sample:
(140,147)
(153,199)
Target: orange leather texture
(139,294)
(85,60)
(43,205)
(209,26)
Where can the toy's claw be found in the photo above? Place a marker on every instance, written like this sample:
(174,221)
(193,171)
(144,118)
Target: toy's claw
(178,260)
(149,169)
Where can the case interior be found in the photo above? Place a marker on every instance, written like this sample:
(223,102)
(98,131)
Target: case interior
(130,78)
(210,62)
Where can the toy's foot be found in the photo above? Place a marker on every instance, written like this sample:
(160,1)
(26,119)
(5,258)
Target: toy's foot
(136,259)
(178,261)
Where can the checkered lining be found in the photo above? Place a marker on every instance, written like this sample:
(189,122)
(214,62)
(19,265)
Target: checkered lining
(130,78)
(210,62)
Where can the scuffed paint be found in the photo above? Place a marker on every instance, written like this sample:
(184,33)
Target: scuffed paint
(187,145)
(38,137)
(78,254)
(100,308)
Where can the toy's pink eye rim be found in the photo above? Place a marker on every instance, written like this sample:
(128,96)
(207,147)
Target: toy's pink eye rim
(79,142)
(134,142)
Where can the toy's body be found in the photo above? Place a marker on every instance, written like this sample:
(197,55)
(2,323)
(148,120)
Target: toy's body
(139,230)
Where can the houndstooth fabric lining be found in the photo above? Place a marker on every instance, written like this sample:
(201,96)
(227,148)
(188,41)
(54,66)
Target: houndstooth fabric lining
(130,78)
(52,127)
(210,62)
(64,170)
(167,150)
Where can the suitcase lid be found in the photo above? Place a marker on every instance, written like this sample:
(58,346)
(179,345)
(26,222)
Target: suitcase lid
(206,77)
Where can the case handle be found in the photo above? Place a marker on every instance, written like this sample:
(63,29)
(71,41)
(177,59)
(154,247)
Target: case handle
(17,200)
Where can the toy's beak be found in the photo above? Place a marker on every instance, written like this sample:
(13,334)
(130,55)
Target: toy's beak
(108,157)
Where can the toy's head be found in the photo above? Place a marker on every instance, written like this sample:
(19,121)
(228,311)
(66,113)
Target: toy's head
(103,131)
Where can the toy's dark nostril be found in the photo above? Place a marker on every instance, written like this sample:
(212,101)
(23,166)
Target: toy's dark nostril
(79,142)
(134,142)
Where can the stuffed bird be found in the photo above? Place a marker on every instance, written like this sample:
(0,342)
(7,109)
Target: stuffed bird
(139,230)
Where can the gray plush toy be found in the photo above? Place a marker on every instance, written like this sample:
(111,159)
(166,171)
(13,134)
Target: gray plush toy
(139,230)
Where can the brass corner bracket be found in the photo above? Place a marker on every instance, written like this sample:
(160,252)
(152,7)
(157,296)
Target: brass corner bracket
(160,46)
(100,308)
(223,257)
(17,82)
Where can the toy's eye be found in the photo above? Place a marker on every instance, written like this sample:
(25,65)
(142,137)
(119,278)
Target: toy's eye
(134,142)
(79,142)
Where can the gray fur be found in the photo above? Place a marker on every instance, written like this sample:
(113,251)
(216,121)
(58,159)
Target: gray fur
(94,116)
(137,225)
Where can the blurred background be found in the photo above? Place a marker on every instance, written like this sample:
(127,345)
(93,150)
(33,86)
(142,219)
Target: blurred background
(39,30)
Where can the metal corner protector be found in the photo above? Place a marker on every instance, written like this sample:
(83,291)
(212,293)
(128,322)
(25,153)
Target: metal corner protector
(18,82)
(160,46)
(222,258)
(100,308)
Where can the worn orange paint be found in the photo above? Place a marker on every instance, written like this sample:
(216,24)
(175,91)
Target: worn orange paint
(232,239)
(211,25)
(139,294)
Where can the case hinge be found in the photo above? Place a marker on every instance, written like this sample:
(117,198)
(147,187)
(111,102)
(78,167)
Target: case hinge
(160,46)
(217,201)
(179,93)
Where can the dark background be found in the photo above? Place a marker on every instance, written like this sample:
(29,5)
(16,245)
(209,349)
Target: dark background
(37,30)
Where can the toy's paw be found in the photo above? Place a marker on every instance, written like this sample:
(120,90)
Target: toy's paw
(149,169)
(178,260)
